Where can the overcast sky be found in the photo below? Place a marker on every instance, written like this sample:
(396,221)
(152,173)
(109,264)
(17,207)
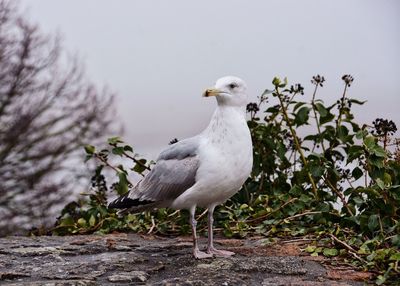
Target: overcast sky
(159,56)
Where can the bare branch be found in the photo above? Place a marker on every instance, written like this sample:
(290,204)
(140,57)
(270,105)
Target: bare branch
(48,110)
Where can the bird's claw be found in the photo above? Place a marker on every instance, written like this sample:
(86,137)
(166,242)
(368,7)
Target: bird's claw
(200,254)
(219,253)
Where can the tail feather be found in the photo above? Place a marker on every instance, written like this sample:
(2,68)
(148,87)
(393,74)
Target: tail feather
(137,209)
(125,202)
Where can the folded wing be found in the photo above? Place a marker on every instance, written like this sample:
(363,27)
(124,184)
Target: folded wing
(174,173)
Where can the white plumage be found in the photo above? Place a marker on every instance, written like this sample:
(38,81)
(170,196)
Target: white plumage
(204,170)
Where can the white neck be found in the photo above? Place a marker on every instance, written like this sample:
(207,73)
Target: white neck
(227,118)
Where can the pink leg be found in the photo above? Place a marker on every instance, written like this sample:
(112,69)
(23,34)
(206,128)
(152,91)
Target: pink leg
(210,248)
(196,252)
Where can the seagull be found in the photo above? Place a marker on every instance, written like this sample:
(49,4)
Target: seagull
(204,170)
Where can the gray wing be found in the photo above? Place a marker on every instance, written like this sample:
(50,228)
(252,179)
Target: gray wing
(174,173)
(180,150)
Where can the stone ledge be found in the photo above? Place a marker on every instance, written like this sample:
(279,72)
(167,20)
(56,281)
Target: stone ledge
(133,259)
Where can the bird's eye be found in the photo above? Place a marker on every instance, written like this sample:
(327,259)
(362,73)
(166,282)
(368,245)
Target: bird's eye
(233,85)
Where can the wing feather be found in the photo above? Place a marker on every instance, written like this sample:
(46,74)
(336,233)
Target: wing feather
(174,173)
(167,180)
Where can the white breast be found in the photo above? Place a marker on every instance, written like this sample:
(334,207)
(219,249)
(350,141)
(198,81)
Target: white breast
(226,157)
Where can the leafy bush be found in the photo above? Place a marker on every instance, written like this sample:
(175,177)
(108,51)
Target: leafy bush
(316,172)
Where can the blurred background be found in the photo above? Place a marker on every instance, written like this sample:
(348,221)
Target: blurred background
(159,56)
(93,68)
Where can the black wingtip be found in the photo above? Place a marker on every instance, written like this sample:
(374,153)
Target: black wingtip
(124,202)
(121,202)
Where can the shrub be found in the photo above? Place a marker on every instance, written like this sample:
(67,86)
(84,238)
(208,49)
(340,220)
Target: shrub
(316,172)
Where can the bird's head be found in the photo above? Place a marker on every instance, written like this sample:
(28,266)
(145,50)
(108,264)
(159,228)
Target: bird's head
(229,90)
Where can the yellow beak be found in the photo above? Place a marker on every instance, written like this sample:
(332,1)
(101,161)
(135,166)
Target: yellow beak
(211,92)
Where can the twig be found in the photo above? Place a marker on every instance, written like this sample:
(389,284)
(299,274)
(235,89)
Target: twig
(351,250)
(340,195)
(350,183)
(296,142)
(174,213)
(261,184)
(293,217)
(298,240)
(273,211)
(302,214)
(339,120)
(201,215)
(153,225)
(106,163)
(316,119)
(137,161)
(111,166)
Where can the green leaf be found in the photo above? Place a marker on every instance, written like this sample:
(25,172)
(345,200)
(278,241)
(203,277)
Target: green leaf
(285,81)
(310,138)
(317,171)
(380,183)
(122,186)
(299,104)
(118,151)
(342,133)
(376,161)
(244,206)
(373,222)
(358,200)
(395,256)
(323,112)
(361,134)
(296,191)
(379,151)
(276,81)
(67,220)
(330,252)
(387,179)
(128,148)
(364,249)
(310,248)
(90,149)
(140,168)
(396,240)
(326,119)
(272,109)
(354,152)
(305,199)
(369,142)
(380,279)
(359,102)
(267,91)
(318,250)
(357,173)
(81,222)
(87,158)
(302,116)
(92,220)
(114,140)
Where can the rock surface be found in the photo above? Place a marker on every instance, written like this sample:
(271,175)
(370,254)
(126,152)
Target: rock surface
(133,259)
